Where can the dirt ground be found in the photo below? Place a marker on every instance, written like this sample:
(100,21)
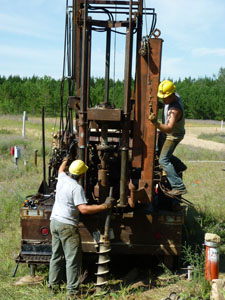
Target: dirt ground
(192,133)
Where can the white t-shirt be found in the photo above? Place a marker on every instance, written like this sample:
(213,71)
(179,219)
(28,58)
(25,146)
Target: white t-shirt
(69,194)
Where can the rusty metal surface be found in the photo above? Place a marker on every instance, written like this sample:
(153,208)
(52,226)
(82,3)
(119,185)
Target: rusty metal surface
(145,68)
(104,114)
(34,259)
(77,47)
(140,234)
(32,221)
(115,2)
(146,249)
(31,229)
(144,131)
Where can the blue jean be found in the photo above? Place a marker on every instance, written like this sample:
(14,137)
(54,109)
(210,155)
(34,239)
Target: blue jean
(169,162)
(65,244)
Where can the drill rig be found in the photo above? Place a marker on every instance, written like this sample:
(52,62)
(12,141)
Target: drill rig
(117,143)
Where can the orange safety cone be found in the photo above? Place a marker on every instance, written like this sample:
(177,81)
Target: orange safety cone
(211,256)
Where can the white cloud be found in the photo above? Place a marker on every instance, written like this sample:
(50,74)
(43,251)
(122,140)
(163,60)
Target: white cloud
(187,23)
(192,31)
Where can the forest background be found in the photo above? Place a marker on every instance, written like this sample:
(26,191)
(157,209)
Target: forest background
(203,98)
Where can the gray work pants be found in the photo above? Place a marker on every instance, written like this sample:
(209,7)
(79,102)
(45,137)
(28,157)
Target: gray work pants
(65,243)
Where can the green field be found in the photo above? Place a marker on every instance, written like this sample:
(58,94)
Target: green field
(204,180)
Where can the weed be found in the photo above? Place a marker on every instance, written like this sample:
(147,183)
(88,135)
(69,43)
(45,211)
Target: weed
(166,271)
(195,257)
(5,131)
(167,277)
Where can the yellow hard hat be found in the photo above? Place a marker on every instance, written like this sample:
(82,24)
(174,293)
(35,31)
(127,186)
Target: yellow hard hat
(78,167)
(166,88)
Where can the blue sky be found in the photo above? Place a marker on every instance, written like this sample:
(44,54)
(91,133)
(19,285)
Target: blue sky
(32,37)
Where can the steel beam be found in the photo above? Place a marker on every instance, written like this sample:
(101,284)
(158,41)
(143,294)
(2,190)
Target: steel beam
(107,65)
(127,108)
(148,75)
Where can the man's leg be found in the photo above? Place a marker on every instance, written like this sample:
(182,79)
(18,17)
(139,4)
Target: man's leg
(179,166)
(55,268)
(165,161)
(70,238)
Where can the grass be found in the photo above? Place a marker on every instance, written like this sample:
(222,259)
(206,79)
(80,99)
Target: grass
(206,187)
(204,181)
(5,131)
(190,153)
(217,137)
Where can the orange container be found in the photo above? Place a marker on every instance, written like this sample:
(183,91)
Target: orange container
(211,261)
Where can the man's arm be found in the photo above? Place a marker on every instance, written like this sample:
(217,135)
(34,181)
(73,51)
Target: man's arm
(63,165)
(91,209)
(173,116)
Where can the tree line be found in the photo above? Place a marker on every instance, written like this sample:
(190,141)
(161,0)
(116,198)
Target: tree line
(203,98)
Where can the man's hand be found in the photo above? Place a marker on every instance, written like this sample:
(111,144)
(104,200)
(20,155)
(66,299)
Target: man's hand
(66,158)
(108,202)
(64,165)
(152,118)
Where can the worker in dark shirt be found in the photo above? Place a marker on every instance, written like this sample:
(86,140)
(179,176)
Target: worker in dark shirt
(172,131)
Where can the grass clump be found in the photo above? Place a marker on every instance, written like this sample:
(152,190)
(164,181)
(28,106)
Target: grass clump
(5,131)
(215,137)
(209,223)
(198,286)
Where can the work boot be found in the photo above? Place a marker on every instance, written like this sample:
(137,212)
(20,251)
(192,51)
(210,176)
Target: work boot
(177,192)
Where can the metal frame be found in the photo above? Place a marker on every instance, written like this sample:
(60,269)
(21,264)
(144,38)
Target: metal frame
(117,144)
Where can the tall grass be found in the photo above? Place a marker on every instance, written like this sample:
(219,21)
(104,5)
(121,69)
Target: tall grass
(198,285)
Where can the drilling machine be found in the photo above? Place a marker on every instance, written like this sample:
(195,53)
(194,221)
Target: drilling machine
(117,143)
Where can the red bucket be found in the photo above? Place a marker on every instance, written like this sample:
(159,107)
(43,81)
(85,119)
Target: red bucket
(12,151)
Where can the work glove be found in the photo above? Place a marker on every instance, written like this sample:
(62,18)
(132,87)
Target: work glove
(108,202)
(152,118)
